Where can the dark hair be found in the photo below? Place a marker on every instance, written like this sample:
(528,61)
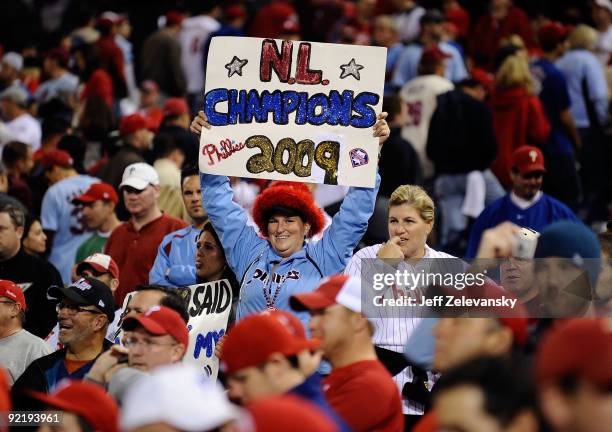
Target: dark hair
(469,83)
(188,171)
(198,7)
(29,221)
(392,104)
(506,387)
(283,211)
(76,147)
(172,298)
(15,213)
(227,272)
(164,145)
(90,57)
(14,152)
(97,119)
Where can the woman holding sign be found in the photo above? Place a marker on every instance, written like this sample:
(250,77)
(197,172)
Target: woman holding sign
(283,263)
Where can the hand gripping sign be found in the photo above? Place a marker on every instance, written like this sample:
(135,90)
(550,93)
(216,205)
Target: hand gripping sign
(287,110)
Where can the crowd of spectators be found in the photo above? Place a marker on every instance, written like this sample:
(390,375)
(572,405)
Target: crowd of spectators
(495,133)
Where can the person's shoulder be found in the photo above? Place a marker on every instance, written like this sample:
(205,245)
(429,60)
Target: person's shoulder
(368,251)
(178,234)
(554,202)
(172,222)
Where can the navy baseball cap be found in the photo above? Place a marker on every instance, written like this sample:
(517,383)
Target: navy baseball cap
(87,292)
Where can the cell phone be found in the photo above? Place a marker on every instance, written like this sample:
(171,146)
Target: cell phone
(525,243)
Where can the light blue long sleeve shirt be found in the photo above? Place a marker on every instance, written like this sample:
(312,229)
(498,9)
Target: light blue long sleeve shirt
(579,65)
(252,258)
(407,65)
(174,265)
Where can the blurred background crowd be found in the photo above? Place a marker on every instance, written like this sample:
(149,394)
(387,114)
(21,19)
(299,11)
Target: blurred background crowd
(498,109)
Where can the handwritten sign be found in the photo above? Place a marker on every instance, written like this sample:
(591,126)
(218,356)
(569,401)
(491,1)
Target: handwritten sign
(209,310)
(287,110)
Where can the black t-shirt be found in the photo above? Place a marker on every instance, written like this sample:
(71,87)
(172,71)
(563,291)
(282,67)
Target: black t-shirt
(34,275)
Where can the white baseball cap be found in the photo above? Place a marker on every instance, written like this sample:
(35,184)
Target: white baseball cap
(176,395)
(14,60)
(139,175)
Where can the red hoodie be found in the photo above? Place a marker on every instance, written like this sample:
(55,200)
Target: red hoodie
(518,119)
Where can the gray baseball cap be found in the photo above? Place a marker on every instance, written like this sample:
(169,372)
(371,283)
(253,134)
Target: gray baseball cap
(16,94)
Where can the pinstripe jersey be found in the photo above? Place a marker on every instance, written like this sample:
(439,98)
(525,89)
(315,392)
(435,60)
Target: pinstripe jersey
(393,325)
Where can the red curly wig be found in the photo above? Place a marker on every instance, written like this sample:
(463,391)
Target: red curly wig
(292,195)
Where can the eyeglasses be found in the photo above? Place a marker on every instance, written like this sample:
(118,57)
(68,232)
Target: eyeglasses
(148,344)
(74,309)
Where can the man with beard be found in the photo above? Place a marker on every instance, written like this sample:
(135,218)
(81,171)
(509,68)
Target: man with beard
(84,312)
(526,205)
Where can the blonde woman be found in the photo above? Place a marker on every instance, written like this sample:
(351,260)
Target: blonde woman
(588,92)
(518,115)
(410,220)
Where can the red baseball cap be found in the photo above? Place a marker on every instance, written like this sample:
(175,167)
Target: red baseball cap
(11,291)
(290,321)
(234,11)
(288,413)
(101,263)
(528,159)
(433,55)
(56,158)
(97,191)
(254,339)
(132,123)
(160,320)
(86,400)
(174,18)
(551,34)
(175,107)
(341,289)
(577,347)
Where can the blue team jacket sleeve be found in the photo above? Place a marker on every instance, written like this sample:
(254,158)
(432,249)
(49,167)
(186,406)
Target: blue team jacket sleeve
(240,241)
(336,247)
(157,275)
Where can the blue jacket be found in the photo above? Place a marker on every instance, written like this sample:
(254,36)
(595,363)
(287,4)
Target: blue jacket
(537,217)
(174,264)
(252,257)
(312,391)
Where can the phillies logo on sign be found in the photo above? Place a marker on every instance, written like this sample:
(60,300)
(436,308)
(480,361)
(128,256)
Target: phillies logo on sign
(359,157)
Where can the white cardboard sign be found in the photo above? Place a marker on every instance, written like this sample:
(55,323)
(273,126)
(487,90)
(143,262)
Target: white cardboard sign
(291,110)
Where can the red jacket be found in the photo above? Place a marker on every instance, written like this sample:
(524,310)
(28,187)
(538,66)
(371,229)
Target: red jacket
(111,59)
(488,32)
(518,119)
(99,84)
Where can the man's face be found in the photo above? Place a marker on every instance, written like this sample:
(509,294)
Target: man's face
(192,198)
(459,340)
(96,214)
(564,287)
(8,310)
(25,165)
(527,185)
(53,174)
(592,408)
(249,384)
(333,326)
(517,275)
(10,237)
(78,323)
(142,301)
(148,351)
(461,409)
(139,203)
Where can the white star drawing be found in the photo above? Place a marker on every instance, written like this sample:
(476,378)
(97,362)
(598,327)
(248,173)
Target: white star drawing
(351,68)
(235,66)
